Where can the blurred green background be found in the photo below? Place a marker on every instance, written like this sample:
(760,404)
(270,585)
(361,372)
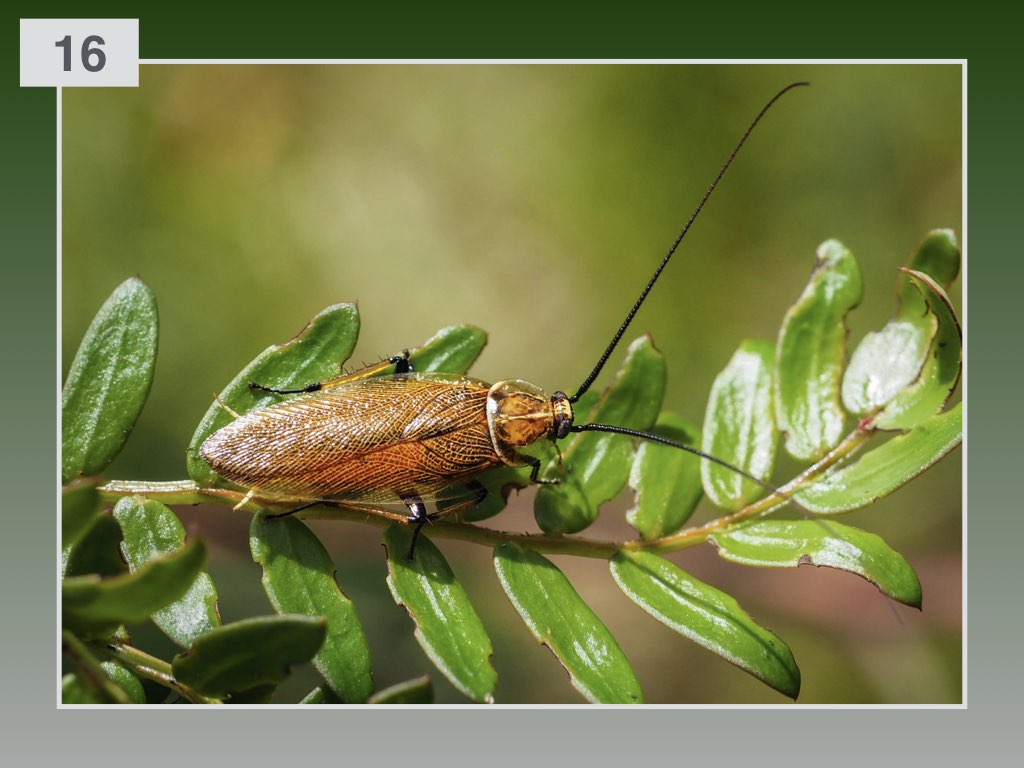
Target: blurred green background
(532,201)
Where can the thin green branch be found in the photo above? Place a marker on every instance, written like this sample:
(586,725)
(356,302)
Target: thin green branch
(155,669)
(91,671)
(188,492)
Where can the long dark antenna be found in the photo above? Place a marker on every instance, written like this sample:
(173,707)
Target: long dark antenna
(654,278)
(696,451)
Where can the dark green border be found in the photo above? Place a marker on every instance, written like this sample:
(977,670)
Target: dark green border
(35,729)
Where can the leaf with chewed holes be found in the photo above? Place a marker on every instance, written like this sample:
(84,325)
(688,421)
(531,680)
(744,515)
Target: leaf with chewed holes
(447,626)
(707,616)
(810,353)
(299,578)
(557,616)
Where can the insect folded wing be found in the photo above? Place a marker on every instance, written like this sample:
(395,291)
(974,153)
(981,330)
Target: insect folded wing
(381,440)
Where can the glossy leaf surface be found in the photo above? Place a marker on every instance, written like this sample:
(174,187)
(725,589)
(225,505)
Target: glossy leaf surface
(447,626)
(941,370)
(451,350)
(299,578)
(739,426)
(707,616)
(248,654)
(596,466)
(151,530)
(810,354)
(789,543)
(94,605)
(317,353)
(881,471)
(558,618)
(665,480)
(887,361)
(108,381)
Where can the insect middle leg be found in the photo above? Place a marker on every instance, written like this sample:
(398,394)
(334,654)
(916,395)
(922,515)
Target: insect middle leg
(417,515)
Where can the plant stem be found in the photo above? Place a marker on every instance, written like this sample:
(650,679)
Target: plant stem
(762,507)
(91,671)
(188,492)
(156,670)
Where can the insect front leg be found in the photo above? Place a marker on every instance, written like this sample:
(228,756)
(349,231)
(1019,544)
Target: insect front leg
(535,466)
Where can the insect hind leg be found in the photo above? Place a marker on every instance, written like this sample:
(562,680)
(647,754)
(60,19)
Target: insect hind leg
(290,512)
(401,362)
(316,386)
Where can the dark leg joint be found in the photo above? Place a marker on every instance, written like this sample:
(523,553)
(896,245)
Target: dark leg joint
(479,491)
(402,364)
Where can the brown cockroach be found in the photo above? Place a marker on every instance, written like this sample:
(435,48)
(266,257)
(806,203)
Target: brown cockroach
(389,435)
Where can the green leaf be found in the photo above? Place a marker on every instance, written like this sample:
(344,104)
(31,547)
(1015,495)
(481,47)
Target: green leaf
(739,426)
(299,578)
(707,616)
(109,380)
(940,372)
(320,695)
(665,480)
(151,530)
(789,543)
(76,688)
(596,466)
(417,691)
(97,551)
(92,605)
(451,350)
(447,626)
(558,618)
(317,353)
(938,256)
(248,654)
(810,354)
(880,472)
(79,508)
(887,361)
